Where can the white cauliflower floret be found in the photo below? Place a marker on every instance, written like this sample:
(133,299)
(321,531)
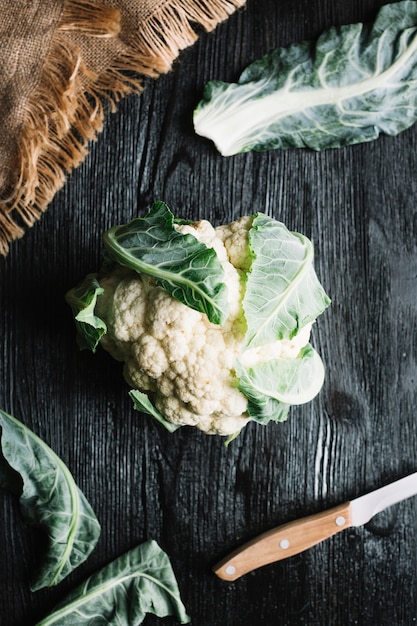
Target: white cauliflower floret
(123,306)
(175,352)
(235,239)
(150,356)
(204,232)
(213,424)
(282,349)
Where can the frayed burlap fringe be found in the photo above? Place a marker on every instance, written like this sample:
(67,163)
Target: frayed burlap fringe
(66,111)
(95,20)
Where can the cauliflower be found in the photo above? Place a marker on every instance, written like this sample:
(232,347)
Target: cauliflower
(187,363)
(174,351)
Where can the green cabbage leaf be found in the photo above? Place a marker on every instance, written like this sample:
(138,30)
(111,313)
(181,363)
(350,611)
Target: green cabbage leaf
(353,84)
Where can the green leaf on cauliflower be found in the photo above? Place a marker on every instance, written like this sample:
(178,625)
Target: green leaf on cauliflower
(264,409)
(356,82)
(283,293)
(82,300)
(185,267)
(142,403)
(272,386)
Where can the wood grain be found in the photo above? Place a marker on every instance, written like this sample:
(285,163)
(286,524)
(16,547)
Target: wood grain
(197,498)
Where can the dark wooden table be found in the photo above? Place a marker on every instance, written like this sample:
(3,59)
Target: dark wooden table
(196,497)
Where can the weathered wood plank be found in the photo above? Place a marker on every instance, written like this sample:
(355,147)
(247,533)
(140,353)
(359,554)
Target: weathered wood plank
(196,497)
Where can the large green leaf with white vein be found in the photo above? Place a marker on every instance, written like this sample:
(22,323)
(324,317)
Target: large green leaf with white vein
(122,593)
(50,499)
(185,267)
(354,83)
(283,292)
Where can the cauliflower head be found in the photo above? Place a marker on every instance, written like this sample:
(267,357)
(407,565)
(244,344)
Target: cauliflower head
(189,366)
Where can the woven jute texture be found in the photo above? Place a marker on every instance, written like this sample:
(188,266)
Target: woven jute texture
(63,65)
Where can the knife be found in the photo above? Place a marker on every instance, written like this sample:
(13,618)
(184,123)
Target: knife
(299,535)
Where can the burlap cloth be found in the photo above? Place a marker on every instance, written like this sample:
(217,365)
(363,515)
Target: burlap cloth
(63,65)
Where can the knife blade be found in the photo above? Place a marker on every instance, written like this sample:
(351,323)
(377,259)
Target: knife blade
(294,537)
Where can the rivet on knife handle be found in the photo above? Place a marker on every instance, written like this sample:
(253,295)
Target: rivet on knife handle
(284,541)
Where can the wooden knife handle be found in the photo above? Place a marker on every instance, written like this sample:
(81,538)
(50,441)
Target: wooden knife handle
(284,541)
